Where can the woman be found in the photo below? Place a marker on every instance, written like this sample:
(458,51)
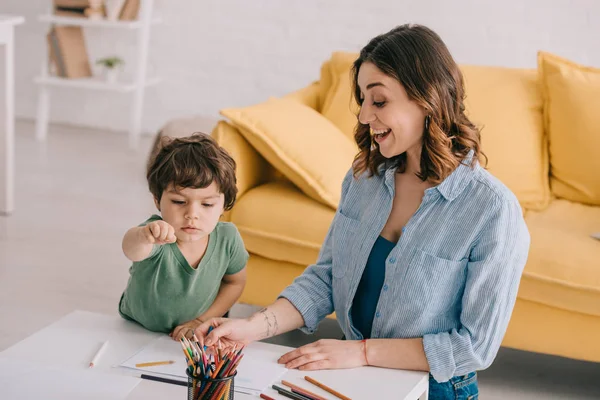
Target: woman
(423,258)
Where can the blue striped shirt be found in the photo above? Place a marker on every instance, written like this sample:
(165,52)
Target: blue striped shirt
(451,279)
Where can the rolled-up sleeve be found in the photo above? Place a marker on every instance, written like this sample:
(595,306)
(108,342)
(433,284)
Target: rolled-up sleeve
(311,292)
(494,271)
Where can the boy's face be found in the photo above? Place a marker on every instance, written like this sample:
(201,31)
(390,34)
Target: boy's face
(193,213)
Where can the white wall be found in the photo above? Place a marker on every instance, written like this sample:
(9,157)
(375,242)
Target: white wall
(225,53)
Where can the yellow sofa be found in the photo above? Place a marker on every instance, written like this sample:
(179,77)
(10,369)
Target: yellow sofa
(292,154)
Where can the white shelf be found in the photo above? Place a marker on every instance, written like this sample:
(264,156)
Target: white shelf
(136,86)
(101,23)
(92,83)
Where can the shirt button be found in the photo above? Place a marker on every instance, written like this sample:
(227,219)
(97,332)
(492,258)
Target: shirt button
(385,288)
(378,314)
(403,229)
(393,260)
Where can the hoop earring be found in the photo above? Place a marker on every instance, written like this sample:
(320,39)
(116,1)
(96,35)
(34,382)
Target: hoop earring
(427,121)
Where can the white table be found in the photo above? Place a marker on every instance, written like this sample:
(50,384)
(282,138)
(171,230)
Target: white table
(72,341)
(7,114)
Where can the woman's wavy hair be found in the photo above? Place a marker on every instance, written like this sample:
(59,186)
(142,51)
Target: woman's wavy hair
(418,58)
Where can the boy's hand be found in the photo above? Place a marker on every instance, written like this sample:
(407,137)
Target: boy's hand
(159,232)
(186,330)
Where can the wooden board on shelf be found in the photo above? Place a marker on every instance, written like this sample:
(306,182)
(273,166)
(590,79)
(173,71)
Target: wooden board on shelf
(70,51)
(130,10)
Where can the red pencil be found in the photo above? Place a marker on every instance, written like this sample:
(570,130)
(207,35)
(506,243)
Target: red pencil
(264,396)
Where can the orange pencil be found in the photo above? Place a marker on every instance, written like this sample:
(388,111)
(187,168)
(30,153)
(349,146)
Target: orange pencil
(327,388)
(217,369)
(302,391)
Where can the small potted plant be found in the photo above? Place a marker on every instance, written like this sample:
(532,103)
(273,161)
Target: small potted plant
(110,65)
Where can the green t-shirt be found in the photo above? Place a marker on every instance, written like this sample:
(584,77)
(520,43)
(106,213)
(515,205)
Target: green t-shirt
(164,291)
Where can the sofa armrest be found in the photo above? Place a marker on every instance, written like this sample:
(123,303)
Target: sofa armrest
(252,169)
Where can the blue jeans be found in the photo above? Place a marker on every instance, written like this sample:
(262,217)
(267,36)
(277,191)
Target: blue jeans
(457,388)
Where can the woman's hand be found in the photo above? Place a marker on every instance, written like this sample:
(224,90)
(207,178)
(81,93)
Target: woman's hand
(326,354)
(227,331)
(186,330)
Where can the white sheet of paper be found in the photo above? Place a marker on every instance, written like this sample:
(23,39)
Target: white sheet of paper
(257,370)
(25,381)
(162,349)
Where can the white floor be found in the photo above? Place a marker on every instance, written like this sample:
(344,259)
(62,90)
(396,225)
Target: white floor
(60,251)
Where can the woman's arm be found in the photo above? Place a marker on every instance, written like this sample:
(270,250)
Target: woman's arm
(494,271)
(334,354)
(279,317)
(397,353)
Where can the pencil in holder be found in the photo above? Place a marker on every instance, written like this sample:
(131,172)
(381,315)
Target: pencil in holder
(204,388)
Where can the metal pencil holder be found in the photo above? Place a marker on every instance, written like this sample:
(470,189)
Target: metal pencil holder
(203,388)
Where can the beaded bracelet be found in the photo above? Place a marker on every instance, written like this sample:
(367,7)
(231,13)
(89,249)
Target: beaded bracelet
(364,341)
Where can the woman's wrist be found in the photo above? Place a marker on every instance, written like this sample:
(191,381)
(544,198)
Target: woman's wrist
(264,324)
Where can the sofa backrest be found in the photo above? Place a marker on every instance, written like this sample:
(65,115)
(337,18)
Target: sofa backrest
(505,103)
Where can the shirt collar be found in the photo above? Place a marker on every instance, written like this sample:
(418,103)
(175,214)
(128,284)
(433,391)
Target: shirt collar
(458,180)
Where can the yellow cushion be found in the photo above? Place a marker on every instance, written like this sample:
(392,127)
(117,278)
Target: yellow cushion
(266,279)
(572,116)
(277,221)
(563,269)
(507,104)
(338,103)
(298,141)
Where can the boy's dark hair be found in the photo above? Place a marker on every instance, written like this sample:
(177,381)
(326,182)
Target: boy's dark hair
(195,161)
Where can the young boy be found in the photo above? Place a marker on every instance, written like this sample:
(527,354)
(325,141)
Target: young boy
(187,266)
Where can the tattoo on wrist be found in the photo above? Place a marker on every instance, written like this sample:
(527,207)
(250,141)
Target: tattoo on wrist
(272,326)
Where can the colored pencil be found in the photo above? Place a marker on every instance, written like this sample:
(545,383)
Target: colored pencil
(163,380)
(98,354)
(154,363)
(264,396)
(211,373)
(288,394)
(302,391)
(327,388)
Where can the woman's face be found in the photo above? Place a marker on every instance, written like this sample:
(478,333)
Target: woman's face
(397,121)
